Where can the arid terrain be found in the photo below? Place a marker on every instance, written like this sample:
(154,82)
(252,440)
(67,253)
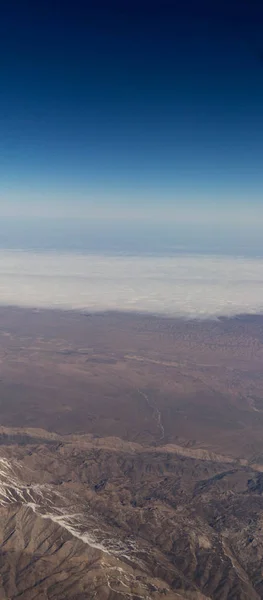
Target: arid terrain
(131,456)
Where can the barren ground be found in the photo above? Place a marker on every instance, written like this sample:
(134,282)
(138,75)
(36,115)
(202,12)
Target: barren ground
(131,457)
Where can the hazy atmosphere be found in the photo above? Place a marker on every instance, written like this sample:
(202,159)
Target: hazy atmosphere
(132,129)
(189,285)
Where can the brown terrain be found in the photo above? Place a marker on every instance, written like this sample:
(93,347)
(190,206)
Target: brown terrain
(131,457)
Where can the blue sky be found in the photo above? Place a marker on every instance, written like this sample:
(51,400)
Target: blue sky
(134,112)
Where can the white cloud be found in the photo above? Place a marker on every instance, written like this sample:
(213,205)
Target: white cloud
(196,286)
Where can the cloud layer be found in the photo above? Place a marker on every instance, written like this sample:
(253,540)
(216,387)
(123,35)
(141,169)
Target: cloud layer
(193,286)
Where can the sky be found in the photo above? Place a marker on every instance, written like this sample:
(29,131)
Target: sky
(142,117)
(131,155)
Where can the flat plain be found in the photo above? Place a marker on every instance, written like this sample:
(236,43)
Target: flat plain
(140,378)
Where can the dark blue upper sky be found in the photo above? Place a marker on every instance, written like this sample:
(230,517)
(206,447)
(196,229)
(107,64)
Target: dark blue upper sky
(137,103)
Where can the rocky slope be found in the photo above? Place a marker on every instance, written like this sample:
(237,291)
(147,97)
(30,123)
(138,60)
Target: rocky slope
(85,518)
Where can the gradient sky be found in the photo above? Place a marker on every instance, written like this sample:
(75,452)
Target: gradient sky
(133,110)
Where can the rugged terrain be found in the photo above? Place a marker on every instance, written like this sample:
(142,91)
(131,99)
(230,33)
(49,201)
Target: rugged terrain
(131,457)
